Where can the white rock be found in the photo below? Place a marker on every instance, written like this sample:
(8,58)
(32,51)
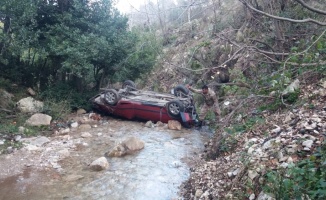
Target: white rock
(99,134)
(64,153)
(277,130)
(230,174)
(284,165)
(64,131)
(74,125)
(263,196)
(29,105)
(198,193)
(252,197)
(251,150)
(21,129)
(252,174)
(308,143)
(2,142)
(306,149)
(99,164)
(31,147)
(235,172)
(86,135)
(39,141)
(39,119)
(290,160)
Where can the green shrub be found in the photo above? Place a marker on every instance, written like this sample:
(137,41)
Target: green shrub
(305,179)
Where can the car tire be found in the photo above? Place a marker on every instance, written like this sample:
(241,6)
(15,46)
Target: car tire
(181,91)
(111,97)
(174,108)
(130,84)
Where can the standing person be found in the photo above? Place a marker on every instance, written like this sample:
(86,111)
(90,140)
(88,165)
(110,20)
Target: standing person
(211,103)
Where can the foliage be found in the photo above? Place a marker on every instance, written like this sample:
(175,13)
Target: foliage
(302,180)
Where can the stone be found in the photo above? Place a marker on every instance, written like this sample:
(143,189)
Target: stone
(84,127)
(277,130)
(149,124)
(2,142)
(64,153)
(293,87)
(99,164)
(81,111)
(308,143)
(128,146)
(21,129)
(6,99)
(230,174)
(73,177)
(199,192)
(74,125)
(86,135)
(284,165)
(29,105)
(30,147)
(31,91)
(264,196)
(159,124)
(174,125)
(39,141)
(39,119)
(18,138)
(64,131)
(252,174)
(252,197)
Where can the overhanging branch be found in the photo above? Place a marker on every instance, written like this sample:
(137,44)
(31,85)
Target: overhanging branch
(311,8)
(282,18)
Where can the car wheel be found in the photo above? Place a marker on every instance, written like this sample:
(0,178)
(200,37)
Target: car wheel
(111,96)
(130,84)
(174,108)
(181,91)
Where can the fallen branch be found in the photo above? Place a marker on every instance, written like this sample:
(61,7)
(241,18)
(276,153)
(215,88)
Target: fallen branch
(240,84)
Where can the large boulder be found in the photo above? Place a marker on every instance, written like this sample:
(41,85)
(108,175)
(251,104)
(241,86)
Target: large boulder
(5,99)
(29,105)
(128,146)
(39,119)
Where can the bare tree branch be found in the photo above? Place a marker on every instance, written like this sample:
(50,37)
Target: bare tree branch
(311,8)
(282,18)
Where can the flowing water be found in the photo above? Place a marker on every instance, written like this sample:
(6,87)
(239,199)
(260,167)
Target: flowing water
(156,172)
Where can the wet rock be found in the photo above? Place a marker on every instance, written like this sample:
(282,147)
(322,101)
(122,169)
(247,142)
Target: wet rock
(29,105)
(86,135)
(81,111)
(174,125)
(39,119)
(84,127)
(99,164)
(149,124)
(128,146)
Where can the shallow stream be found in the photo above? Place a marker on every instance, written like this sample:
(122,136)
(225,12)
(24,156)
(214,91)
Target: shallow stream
(156,172)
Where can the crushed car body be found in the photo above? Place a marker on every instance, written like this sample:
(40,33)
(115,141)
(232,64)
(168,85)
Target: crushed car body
(131,103)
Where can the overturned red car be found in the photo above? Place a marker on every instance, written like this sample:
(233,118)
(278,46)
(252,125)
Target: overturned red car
(131,103)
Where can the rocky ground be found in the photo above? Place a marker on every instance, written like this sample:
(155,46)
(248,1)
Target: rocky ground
(240,162)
